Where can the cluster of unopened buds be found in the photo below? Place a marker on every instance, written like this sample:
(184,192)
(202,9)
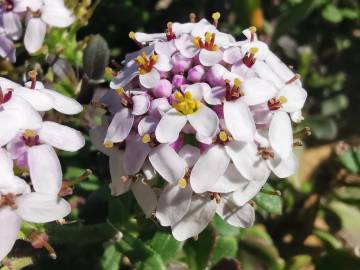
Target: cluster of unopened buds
(38,15)
(210,115)
(31,179)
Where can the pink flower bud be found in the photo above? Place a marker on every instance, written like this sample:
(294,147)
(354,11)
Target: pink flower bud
(180,63)
(178,80)
(196,74)
(162,89)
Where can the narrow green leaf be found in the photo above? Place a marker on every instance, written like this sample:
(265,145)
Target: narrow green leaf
(347,159)
(111,258)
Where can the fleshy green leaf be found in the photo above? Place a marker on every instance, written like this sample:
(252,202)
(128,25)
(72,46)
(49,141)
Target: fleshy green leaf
(111,258)
(332,14)
(165,245)
(225,247)
(272,204)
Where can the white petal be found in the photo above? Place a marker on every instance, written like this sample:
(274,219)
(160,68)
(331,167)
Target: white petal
(56,14)
(297,117)
(120,126)
(125,76)
(97,136)
(45,169)
(295,96)
(10,226)
(170,126)
(190,154)
(6,167)
(64,104)
(264,72)
(167,163)
(173,204)
(247,161)
(163,63)
(200,213)
(283,71)
(205,121)
(247,191)
(145,38)
(210,58)
(61,137)
(118,186)
(40,101)
(241,217)
(186,46)
(257,91)
(197,90)
(6,84)
(145,197)
(135,154)
(208,169)
(34,35)
(150,79)
(147,125)
(141,104)
(182,28)
(215,95)
(232,55)
(166,47)
(239,120)
(263,49)
(12,25)
(9,131)
(283,168)
(230,181)
(280,134)
(42,208)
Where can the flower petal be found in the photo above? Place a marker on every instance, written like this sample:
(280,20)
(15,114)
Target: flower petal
(215,95)
(173,204)
(190,154)
(280,134)
(135,154)
(41,208)
(141,104)
(97,136)
(45,169)
(167,163)
(200,213)
(8,132)
(150,79)
(163,63)
(34,35)
(120,126)
(232,55)
(209,168)
(165,47)
(205,121)
(119,185)
(170,126)
(295,97)
(147,125)
(145,197)
(10,226)
(257,91)
(55,13)
(12,25)
(247,191)
(239,120)
(284,168)
(210,58)
(265,73)
(186,46)
(64,104)
(39,100)
(230,181)
(241,217)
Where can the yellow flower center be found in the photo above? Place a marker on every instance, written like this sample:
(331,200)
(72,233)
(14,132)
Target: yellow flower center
(209,43)
(108,144)
(223,136)
(146,138)
(283,100)
(146,63)
(28,133)
(182,183)
(185,103)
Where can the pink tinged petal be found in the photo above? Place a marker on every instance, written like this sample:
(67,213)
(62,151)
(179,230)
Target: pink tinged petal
(201,27)
(239,120)
(64,104)
(145,197)
(8,132)
(125,76)
(205,121)
(190,154)
(247,191)
(7,49)
(210,58)
(119,185)
(230,181)
(232,55)
(295,96)
(40,101)
(10,226)
(34,35)
(45,169)
(170,126)
(12,25)
(265,73)
(262,115)
(147,125)
(135,154)
(41,208)
(247,160)
(209,168)
(167,163)
(199,215)
(61,137)
(280,134)
(97,136)
(283,71)
(284,168)
(257,91)
(141,104)
(150,79)
(186,46)
(173,204)
(163,63)
(242,70)
(165,47)
(120,126)
(162,89)
(215,95)
(55,13)
(241,217)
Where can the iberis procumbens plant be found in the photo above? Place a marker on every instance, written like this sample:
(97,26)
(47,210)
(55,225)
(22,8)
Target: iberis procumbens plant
(37,16)
(202,116)
(31,179)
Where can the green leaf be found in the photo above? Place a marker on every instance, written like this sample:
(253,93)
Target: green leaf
(338,259)
(111,258)
(299,262)
(165,245)
(334,105)
(323,128)
(348,160)
(350,13)
(332,14)
(96,58)
(225,247)
(223,228)
(328,238)
(270,203)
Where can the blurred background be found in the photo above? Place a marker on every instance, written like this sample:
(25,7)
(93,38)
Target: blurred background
(310,221)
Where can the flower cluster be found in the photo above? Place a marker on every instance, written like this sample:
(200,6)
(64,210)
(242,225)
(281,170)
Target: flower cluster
(38,15)
(27,145)
(210,115)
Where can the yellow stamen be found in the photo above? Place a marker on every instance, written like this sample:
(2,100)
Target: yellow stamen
(108,144)
(154,58)
(28,133)
(237,82)
(252,29)
(185,103)
(132,35)
(208,37)
(179,96)
(223,136)
(254,50)
(146,138)
(283,100)
(182,183)
(216,16)
(120,91)
(197,41)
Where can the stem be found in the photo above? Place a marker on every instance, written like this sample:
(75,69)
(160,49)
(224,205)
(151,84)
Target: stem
(18,264)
